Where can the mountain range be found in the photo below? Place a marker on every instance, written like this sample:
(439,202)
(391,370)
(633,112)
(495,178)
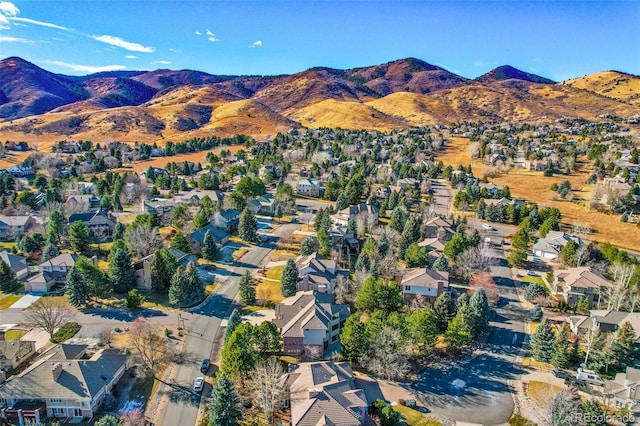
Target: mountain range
(165,104)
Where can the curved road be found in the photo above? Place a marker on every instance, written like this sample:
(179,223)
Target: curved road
(476,390)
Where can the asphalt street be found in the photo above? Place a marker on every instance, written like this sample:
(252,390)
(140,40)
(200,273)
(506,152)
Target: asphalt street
(476,390)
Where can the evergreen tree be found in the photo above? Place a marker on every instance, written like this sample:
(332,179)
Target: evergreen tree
(457,335)
(118,231)
(163,266)
(180,242)
(247,289)
(224,407)
(354,340)
(121,273)
(289,279)
(479,304)
(79,237)
(239,354)
(593,411)
(234,321)
(466,314)
(117,205)
(423,330)
(623,350)
(416,256)
(444,310)
(209,249)
(598,356)
(342,202)
(77,289)
(324,243)
(99,285)
(308,246)
(50,249)
(535,314)
(187,287)
(398,219)
(561,349)
(200,220)
(377,295)
(542,342)
(551,224)
(55,227)
(8,279)
(441,264)
(267,338)
(248,226)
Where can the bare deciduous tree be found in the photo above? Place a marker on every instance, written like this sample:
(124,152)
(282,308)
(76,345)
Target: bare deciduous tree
(387,357)
(48,314)
(622,273)
(151,346)
(268,387)
(143,240)
(474,260)
(105,335)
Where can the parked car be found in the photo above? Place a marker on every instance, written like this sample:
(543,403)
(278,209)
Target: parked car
(205,365)
(530,272)
(487,227)
(198,384)
(561,374)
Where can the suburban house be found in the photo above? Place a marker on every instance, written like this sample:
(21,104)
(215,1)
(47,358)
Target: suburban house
(623,390)
(226,219)
(18,264)
(549,247)
(439,228)
(22,171)
(158,208)
(100,222)
(343,239)
(13,353)
(142,267)
(605,321)
(517,202)
(195,196)
(422,282)
(535,165)
(309,187)
(434,246)
(14,227)
(82,202)
(325,393)
(265,204)
(52,272)
(577,283)
(196,238)
(345,215)
(309,323)
(62,383)
(316,273)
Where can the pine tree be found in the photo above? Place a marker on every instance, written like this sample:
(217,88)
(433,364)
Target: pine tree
(118,231)
(623,350)
(234,321)
(180,242)
(342,202)
(479,304)
(121,273)
(239,354)
(117,205)
(598,352)
(224,407)
(457,334)
(441,264)
(465,313)
(535,314)
(55,227)
(247,289)
(248,226)
(50,249)
(354,340)
(79,237)
(542,342)
(289,279)
(561,349)
(8,279)
(308,246)
(77,288)
(209,248)
(200,220)
(444,309)
(187,287)
(163,266)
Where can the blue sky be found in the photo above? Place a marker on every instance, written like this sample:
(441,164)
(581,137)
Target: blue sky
(555,39)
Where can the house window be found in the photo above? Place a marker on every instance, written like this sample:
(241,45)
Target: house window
(58,411)
(407,288)
(56,401)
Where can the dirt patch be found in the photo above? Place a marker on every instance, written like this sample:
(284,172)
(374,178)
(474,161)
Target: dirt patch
(456,152)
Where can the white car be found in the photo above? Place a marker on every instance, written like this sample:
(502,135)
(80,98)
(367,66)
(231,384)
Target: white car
(198,384)
(487,227)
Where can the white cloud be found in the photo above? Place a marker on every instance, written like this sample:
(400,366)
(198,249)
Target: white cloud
(86,68)
(9,39)
(131,57)
(209,32)
(257,43)
(7,10)
(211,36)
(198,33)
(43,24)
(127,45)
(175,50)
(160,63)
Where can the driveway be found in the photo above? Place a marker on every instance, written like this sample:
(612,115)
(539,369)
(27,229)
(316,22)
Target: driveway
(25,301)
(476,389)
(441,198)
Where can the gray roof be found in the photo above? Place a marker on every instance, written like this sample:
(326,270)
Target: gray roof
(79,379)
(65,259)
(15,220)
(307,310)
(15,262)
(217,234)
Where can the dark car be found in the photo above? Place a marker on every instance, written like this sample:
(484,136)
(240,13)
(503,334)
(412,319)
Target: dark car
(561,374)
(205,365)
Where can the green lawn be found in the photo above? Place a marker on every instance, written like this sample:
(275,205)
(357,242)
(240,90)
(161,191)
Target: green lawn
(14,335)
(8,300)
(533,279)
(414,417)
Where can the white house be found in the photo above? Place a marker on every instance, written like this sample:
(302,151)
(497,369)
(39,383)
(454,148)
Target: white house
(549,247)
(422,282)
(309,187)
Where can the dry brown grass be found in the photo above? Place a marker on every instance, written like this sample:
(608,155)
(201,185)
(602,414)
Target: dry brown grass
(542,394)
(456,152)
(610,83)
(196,157)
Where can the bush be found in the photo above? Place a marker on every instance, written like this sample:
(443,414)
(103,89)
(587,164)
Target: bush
(533,290)
(110,402)
(134,299)
(535,314)
(66,332)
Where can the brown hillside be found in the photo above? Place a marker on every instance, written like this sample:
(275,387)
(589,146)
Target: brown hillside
(347,115)
(247,117)
(612,84)
(417,110)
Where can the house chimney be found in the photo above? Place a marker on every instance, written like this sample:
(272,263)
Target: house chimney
(56,370)
(313,392)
